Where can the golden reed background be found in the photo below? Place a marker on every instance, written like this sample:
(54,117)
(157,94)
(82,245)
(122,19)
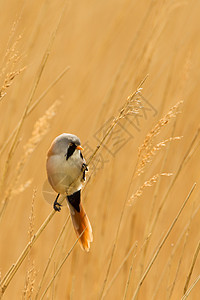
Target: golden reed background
(110,46)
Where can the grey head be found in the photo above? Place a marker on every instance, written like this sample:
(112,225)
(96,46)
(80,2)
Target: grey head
(62,143)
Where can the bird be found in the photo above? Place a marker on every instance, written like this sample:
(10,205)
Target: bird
(66,169)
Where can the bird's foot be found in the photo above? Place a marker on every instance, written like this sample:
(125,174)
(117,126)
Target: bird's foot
(56,205)
(84,167)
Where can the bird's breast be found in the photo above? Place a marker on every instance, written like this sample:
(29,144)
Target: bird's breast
(64,174)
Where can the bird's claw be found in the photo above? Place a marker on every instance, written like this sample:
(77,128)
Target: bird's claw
(57,206)
(84,167)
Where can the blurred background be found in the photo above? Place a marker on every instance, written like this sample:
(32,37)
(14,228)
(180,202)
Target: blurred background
(97,53)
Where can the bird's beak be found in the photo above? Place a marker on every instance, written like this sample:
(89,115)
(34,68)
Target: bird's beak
(79,148)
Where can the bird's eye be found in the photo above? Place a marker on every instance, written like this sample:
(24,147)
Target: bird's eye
(70,151)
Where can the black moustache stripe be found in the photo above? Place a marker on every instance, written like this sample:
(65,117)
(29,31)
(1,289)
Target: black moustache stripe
(70,151)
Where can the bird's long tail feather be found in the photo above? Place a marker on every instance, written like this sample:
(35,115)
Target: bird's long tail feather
(81,223)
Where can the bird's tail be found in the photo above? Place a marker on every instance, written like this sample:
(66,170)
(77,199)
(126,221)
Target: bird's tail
(82,224)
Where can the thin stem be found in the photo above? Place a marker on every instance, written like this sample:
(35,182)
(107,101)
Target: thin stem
(185,231)
(117,234)
(177,269)
(10,274)
(35,85)
(33,106)
(120,267)
(61,264)
(191,288)
(192,267)
(50,257)
(162,243)
(116,120)
(128,279)
(184,160)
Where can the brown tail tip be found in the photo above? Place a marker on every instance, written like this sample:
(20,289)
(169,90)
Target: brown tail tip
(82,227)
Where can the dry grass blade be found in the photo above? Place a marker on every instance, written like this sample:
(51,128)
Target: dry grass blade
(50,258)
(147,144)
(191,288)
(163,166)
(191,268)
(8,81)
(61,265)
(185,231)
(31,273)
(147,150)
(10,70)
(33,106)
(123,64)
(131,268)
(123,112)
(12,271)
(182,164)
(120,267)
(161,244)
(147,183)
(192,152)
(153,205)
(72,289)
(147,157)
(35,85)
(178,268)
(116,238)
(126,109)
(6,280)
(128,279)
(40,129)
(145,154)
